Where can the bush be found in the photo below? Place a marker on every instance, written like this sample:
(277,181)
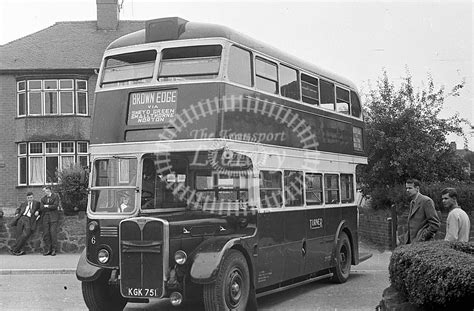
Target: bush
(72,189)
(435,274)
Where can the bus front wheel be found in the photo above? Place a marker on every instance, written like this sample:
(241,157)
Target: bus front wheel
(231,289)
(100,296)
(343,259)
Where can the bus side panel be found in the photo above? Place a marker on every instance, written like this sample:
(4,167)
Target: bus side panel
(270,260)
(276,121)
(295,234)
(332,218)
(316,248)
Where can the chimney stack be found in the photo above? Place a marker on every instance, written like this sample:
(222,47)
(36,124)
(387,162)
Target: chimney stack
(107,14)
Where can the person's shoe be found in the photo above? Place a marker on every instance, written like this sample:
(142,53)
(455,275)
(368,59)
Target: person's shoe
(20,253)
(53,253)
(47,253)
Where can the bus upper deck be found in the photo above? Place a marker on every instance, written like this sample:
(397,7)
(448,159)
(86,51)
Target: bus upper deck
(207,81)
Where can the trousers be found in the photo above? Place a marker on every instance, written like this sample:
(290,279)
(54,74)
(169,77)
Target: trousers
(24,231)
(50,234)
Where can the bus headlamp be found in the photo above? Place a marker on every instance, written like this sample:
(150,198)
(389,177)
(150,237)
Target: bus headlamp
(180,257)
(93,225)
(103,256)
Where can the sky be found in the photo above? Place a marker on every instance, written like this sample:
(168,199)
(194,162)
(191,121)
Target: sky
(356,39)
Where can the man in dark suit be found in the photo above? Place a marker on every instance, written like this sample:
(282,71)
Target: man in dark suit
(26,215)
(423,220)
(50,216)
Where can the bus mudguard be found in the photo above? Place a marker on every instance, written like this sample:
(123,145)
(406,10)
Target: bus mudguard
(341,227)
(85,271)
(207,259)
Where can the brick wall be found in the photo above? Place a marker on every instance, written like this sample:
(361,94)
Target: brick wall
(71,235)
(377,228)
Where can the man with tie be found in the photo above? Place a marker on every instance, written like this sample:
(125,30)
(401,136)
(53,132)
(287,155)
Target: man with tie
(26,213)
(50,216)
(423,220)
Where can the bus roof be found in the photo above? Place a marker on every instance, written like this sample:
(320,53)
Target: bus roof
(175,28)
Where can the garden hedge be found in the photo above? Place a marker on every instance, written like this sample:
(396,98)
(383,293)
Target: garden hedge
(435,275)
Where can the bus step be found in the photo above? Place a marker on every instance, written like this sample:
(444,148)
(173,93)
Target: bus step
(364,256)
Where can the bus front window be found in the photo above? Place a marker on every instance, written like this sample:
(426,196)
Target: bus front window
(114,185)
(130,68)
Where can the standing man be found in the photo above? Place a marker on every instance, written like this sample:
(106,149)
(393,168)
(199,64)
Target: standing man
(26,214)
(457,224)
(50,215)
(423,221)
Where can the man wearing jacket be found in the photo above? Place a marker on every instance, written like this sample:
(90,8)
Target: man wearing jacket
(26,215)
(50,215)
(423,220)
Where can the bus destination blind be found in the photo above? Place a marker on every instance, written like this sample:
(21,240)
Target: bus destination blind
(153,107)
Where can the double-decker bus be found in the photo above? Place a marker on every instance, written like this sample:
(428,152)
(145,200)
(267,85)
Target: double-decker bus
(222,170)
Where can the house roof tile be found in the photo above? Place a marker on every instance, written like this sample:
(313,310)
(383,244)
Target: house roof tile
(64,45)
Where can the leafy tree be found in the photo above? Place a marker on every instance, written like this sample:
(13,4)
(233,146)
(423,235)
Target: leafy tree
(72,189)
(406,136)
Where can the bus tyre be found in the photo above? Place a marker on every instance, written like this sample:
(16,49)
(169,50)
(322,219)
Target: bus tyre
(232,286)
(100,296)
(343,259)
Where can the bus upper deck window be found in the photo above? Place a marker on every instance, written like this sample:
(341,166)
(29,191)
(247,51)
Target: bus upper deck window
(289,86)
(342,100)
(355,105)
(240,66)
(327,94)
(310,89)
(191,62)
(130,68)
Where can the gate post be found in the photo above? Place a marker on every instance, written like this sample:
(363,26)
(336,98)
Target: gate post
(394,228)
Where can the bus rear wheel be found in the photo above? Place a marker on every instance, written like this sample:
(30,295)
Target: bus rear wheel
(100,296)
(231,289)
(343,259)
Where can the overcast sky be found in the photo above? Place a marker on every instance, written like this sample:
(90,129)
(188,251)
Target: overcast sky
(355,39)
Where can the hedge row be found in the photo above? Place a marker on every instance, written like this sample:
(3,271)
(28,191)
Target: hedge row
(435,274)
(384,197)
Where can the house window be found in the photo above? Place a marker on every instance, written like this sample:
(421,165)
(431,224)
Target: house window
(52,97)
(38,162)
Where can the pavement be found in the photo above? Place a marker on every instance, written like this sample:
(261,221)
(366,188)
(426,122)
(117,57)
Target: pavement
(65,263)
(36,263)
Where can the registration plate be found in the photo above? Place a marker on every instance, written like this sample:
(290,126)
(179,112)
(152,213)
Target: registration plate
(143,292)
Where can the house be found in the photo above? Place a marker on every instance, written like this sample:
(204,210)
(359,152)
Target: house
(47,83)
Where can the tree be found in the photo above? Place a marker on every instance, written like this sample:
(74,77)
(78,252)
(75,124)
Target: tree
(406,136)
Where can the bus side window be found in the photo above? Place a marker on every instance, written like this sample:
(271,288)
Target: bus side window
(270,189)
(342,101)
(289,86)
(355,105)
(310,89)
(327,94)
(331,187)
(266,75)
(293,188)
(347,188)
(314,189)
(240,66)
